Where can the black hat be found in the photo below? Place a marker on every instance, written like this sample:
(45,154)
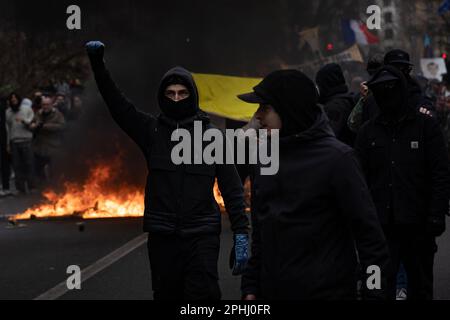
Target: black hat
(48,91)
(397,56)
(253,97)
(292,95)
(383,76)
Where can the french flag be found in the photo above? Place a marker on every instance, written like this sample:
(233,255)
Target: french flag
(356,31)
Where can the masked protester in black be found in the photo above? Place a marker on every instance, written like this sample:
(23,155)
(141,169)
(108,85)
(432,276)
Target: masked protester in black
(178,110)
(416,97)
(181,215)
(405,161)
(338,102)
(308,217)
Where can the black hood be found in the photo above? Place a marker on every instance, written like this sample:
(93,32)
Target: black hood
(183,109)
(330,81)
(320,129)
(293,96)
(400,94)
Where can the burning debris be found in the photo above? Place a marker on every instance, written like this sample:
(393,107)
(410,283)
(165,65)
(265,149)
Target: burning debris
(81,226)
(95,198)
(14,224)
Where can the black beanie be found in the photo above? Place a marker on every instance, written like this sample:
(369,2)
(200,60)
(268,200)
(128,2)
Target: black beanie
(330,80)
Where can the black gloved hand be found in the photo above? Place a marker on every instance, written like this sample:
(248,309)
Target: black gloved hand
(95,51)
(435,226)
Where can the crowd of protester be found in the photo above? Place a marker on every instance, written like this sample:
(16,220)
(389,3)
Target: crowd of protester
(398,124)
(32,133)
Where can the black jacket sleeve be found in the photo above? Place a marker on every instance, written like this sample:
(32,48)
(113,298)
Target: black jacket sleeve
(355,202)
(133,122)
(250,280)
(230,187)
(361,149)
(232,191)
(437,165)
(338,111)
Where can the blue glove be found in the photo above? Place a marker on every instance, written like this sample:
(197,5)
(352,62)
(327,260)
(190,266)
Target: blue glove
(95,48)
(239,255)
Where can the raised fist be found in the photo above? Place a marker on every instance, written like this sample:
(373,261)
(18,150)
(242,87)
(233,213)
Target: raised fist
(95,48)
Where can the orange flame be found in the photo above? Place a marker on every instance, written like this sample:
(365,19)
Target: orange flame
(94,199)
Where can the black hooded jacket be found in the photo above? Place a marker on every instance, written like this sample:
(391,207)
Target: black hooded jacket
(405,162)
(337,101)
(416,100)
(307,220)
(179,199)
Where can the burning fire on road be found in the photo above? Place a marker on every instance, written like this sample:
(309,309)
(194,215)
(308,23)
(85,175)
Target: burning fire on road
(95,198)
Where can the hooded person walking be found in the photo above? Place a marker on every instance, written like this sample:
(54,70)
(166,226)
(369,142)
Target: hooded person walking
(181,215)
(405,160)
(338,102)
(309,216)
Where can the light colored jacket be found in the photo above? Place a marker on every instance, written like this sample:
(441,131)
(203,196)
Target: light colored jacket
(17,123)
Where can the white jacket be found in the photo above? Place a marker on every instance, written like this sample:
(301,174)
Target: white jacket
(17,123)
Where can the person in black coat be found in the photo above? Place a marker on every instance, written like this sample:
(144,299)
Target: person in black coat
(315,216)
(181,215)
(404,157)
(4,152)
(338,102)
(401,61)
(367,109)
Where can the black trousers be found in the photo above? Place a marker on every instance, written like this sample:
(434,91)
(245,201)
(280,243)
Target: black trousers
(184,268)
(23,164)
(40,167)
(410,245)
(5,167)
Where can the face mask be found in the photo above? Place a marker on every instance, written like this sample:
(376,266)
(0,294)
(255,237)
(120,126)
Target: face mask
(405,69)
(389,99)
(178,110)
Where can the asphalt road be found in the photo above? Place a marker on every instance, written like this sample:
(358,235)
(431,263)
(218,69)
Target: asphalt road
(35,255)
(34,258)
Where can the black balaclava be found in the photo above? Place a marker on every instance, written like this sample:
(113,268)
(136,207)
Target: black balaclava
(182,109)
(330,81)
(391,96)
(294,97)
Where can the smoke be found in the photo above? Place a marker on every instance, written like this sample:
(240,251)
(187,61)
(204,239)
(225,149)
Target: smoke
(144,40)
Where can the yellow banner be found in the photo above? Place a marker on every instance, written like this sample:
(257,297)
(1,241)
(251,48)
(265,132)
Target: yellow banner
(218,95)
